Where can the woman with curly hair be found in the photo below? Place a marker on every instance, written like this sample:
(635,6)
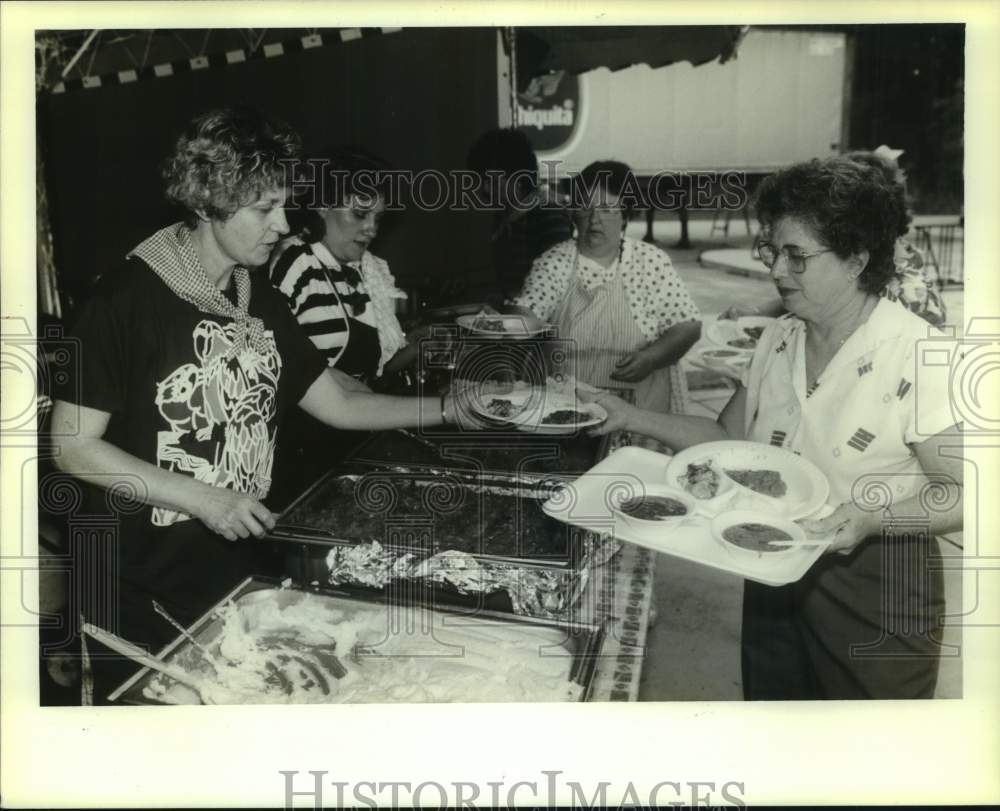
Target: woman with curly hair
(910,284)
(189,359)
(840,380)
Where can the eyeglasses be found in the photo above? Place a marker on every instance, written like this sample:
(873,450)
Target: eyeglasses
(796,260)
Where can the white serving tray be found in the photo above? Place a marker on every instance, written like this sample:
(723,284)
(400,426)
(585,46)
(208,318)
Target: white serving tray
(583,503)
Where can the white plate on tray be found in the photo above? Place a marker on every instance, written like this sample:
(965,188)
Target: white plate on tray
(530,407)
(807,487)
(587,502)
(488,325)
(721,331)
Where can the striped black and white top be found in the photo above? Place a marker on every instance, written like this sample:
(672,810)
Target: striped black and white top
(324,295)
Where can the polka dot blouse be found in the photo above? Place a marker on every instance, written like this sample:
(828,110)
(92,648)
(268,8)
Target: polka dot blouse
(656,295)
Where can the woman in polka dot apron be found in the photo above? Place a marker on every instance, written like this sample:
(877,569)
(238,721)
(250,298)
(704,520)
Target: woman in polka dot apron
(618,301)
(843,380)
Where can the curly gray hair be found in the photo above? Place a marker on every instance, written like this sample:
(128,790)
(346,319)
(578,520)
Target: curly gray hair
(226,159)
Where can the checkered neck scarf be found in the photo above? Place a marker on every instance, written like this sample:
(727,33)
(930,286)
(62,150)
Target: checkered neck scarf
(172,256)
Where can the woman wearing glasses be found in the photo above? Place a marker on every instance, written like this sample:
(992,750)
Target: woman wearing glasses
(910,285)
(619,301)
(840,380)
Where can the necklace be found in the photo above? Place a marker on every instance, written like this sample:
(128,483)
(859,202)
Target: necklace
(822,360)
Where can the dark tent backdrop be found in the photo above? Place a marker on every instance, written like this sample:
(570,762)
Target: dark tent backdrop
(419,97)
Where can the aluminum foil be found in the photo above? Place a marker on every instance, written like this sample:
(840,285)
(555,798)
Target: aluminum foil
(533,591)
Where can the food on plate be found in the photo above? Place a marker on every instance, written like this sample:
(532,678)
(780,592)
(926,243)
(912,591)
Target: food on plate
(487,324)
(653,508)
(701,480)
(768,482)
(754,332)
(721,353)
(743,343)
(504,409)
(565,416)
(755,537)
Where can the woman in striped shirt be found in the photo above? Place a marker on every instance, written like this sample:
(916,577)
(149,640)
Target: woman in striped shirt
(342,295)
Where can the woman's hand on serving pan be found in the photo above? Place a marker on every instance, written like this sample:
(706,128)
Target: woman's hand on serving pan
(848,524)
(232,515)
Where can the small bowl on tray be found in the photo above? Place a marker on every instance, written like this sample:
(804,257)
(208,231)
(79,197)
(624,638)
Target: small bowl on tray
(747,537)
(648,507)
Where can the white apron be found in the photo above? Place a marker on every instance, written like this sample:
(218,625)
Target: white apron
(600,325)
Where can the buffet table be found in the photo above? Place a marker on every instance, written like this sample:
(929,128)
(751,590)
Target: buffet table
(618,576)
(445,521)
(292,639)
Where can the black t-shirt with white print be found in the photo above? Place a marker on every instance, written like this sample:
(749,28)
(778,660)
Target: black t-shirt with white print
(159,367)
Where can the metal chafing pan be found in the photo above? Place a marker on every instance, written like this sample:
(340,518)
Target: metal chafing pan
(519,467)
(519,460)
(425,512)
(583,641)
(543,581)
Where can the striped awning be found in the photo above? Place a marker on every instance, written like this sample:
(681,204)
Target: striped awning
(577,49)
(114,57)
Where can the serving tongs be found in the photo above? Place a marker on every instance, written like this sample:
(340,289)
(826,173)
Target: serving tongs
(142,657)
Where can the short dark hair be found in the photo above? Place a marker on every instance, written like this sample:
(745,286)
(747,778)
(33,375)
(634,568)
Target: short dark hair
(851,206)
(608,177)
(340,172)
(226,158)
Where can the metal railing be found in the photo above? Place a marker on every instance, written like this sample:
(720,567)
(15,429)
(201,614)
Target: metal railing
(941,239)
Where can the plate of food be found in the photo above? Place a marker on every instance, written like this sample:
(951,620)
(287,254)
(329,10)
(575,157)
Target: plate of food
(538,410)
(742,333)
(494,325)
(732,474)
